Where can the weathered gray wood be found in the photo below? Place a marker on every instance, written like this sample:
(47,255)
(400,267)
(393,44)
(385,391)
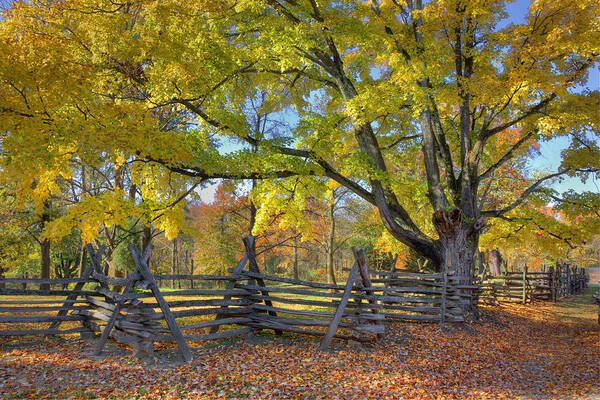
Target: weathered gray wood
(195,277)
(196,303)
(22,332)
(415,309)
(317,285)
(108,280)
(129,283)
(94,257)
(396,289)
(326,341)
(40,309)
(94,315)
(109,324)
(525,284)
(39,318)
(27,301)
(145,271)
(142,333)
(177,293)
(444,290)
(402,299)
(126,339)
(306,321)
(230,285)
(54,281)
(109,294)
(123,324)
(289,290)
(307,313)
(210,302)
(422,317)
(372,329)
(221,321)
(30,292)
(202,311)
(359,256)
(100,303)
(332,304)
(253,267)
(295,321)
(294,329)
(206,292)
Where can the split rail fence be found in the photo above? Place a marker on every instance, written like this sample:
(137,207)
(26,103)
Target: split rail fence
(135,312)
(525,286)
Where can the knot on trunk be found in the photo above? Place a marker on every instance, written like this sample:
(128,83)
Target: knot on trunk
(447,223)
(478,225)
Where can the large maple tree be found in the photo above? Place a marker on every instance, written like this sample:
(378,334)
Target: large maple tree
(379,90)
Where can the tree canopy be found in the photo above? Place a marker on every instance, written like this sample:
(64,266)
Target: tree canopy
(418,108)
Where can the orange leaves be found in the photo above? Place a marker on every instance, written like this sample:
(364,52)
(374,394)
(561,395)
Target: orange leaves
(539,351)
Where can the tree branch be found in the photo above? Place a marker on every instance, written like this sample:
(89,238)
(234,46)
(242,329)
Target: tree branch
(524,195)
(487,133)
(509,154)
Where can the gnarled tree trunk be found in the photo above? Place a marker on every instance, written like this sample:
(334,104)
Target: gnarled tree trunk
(458,242)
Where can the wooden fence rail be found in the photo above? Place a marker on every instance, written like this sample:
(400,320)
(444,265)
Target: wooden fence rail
(526,286)
(246,301)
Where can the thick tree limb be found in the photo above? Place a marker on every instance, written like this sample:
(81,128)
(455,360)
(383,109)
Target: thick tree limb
(201,173)
(445,153)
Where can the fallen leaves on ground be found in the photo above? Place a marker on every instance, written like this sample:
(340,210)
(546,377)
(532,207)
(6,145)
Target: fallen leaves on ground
(538,351)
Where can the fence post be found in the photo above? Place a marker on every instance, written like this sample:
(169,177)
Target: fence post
(525,284)
(339,312)
(141,260)
(253,267)
(359,255)
(95,259)
(230,285)
(569,279)
(444,291)
(559,276)
(551,283)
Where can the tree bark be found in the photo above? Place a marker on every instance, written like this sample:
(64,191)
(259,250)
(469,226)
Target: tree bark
(295,257)
(45,263)
(459,244)
(495,262)
(174,256)
(331,244)
(82,260)
(45,248)
(480,262)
